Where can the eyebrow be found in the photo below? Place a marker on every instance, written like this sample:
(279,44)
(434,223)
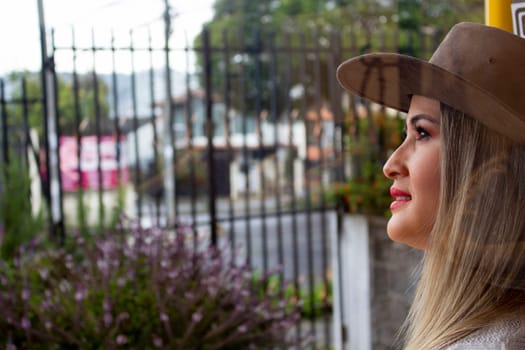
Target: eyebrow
(419,117)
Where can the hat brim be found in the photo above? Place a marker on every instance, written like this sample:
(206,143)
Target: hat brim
(391,80)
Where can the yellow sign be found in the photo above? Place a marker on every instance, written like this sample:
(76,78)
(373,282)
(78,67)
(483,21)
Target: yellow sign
(518,18)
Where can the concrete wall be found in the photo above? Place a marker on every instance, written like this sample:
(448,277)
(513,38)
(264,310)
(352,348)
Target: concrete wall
(92,208)
(392,283)
(375,286)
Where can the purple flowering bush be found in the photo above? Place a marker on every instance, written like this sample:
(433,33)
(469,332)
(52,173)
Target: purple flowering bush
(139,289)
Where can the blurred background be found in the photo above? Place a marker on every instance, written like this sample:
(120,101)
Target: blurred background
(223,115)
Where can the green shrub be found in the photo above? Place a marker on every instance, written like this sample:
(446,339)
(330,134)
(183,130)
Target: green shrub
(367,191)
(140,289)
(18,224)
(313,303)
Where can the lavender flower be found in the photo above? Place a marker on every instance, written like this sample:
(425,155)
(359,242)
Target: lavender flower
(121,339)
(80,295)
(157,341)
(25,294)
(164,317)
(25,323)
(108,318)
(196,317)
(142,288)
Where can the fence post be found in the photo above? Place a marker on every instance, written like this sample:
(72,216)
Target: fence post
(54,188)
(3,123)
(209,133)
(168,139)
(352,284)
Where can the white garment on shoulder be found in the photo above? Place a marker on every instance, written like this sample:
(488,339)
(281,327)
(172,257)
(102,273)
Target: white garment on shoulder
(503,335)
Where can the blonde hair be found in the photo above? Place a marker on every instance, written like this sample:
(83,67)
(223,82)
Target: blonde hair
(474,271)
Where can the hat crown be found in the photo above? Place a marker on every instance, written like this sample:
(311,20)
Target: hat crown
(487,57)
(476,69)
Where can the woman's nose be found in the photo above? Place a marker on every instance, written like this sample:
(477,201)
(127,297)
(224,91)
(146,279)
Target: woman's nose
(394,167)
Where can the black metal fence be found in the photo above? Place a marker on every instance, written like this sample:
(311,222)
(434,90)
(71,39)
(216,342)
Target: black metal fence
(243,149)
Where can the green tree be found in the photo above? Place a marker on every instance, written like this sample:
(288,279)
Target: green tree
(371,24)
(438,15)
(433,17)
(248,28)
(69,103)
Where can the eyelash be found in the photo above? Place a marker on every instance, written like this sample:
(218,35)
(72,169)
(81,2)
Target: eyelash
(420,131)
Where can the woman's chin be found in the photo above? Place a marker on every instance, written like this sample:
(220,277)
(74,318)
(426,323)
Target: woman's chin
(401,232)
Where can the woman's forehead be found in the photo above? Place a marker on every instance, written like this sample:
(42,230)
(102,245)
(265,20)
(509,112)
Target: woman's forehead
(421,105)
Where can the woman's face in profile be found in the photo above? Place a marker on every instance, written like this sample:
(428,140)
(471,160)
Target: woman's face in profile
(415,169)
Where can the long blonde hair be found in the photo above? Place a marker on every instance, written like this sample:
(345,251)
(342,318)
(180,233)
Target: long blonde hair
(474,271)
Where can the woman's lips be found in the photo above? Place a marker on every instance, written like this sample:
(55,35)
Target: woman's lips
(400,198)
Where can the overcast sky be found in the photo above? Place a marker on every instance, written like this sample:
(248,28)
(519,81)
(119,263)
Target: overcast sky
(19,32)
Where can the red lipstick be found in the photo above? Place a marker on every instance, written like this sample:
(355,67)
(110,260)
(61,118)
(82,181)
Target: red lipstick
(400,198)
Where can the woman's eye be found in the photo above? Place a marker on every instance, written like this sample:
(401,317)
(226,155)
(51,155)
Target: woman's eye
(421,133)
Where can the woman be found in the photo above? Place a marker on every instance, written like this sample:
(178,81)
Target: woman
(458,183)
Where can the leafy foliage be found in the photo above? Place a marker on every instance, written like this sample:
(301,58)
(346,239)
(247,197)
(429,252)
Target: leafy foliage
(70,103)
(18,224)
(314,303)
(440,15)
(141,289)
(368,190)
(252,29)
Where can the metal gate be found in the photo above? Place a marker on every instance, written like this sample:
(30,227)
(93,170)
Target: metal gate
(244,146)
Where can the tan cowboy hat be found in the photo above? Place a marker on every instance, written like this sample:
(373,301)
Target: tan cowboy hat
(477,69)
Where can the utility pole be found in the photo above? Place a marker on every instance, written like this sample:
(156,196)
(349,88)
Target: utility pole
(167,136)
(53,187)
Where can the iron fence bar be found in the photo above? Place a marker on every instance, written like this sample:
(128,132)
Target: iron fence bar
(209,133)
(45,113)
(380,142)
(78,133)
(24,101)
(116,113)
(436,38)
(217,49)
(382,39)
(138,172)
(18,101)
(334,58)
(28,144)
(322,160)
(411,41)
(259,132)
(276,120)
(191,150)
(258,216)
(291,114)
(153,122)
(121,48)
(96,105)
(243,113)
(57,184)
(395,36)
(308,204)
(351,120)
(25,125)
(168,139)
(227,130)
(283,212)
(3,109)
(423,41)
